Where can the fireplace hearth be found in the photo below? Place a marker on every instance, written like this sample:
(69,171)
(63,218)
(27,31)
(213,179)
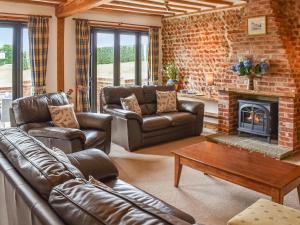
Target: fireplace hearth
(258,117)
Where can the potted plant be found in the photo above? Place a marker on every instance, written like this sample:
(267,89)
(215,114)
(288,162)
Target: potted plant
(171,72)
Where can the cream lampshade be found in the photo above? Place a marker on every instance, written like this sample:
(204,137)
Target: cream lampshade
(209,79)
(209,82)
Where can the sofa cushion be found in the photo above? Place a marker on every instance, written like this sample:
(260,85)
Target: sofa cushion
(78,202)
(34,162)
(179,118)
(144,197)
(131,103)
(155,122)
(166,101)
(93,138)
(64,116)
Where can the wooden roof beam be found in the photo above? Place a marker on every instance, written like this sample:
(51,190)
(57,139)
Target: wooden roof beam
(77,6)
(208,2)
(111,8)
(147,3)
(148,7)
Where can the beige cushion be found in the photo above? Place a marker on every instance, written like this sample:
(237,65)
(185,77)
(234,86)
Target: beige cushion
(131,103)
(64,116)
(166,101)
(265,212)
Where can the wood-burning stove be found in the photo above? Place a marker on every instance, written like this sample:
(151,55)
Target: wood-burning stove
(258,117)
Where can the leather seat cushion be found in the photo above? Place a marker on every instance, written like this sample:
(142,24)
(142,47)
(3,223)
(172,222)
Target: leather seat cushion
(179,118)
(78,202)
(155,122)
(33,160)
(144,197)
(93,138)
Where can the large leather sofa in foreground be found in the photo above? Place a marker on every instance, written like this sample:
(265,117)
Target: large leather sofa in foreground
(38,188)
(31,114)
(133,131)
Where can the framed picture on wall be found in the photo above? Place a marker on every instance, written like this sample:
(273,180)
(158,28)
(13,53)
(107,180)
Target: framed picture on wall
(257,25)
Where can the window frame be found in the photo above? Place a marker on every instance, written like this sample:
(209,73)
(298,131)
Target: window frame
(17,56)
(117,60)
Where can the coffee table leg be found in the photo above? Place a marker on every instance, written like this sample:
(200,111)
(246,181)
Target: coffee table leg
(178,168)
(277,197)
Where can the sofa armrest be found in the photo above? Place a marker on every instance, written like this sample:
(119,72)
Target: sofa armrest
(125,114)
(94,121)
(190,106)
(57,133)
(94,162)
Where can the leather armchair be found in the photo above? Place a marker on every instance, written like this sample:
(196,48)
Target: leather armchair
(31,114)
(133,131)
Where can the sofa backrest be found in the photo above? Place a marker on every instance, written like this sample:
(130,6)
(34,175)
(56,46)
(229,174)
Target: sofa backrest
(20,203)
(35,162)
(34,109)
(146,96)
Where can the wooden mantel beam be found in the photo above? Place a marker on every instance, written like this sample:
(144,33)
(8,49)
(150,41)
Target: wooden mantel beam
(77,6)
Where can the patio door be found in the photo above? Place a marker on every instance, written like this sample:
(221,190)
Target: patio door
(15,74)
(118,58)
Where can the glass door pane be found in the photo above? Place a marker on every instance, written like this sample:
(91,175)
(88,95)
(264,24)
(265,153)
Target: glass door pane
(144,59)
(127,59)
(6,74)
(27,90)
(105,62)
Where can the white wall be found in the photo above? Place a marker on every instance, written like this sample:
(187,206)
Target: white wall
(70,51)
(7,7)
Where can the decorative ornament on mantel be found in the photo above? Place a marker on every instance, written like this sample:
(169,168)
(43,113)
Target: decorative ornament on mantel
(246,68)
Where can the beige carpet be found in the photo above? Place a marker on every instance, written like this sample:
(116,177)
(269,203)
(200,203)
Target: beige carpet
(210,200)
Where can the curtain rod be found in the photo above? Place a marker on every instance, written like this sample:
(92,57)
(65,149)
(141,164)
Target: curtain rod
(21,15)
(107,23)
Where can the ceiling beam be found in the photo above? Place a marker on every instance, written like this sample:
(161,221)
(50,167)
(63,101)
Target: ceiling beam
(129,10)
(77,6)
(201,3)
(146,3)
(38,2)
(148,7)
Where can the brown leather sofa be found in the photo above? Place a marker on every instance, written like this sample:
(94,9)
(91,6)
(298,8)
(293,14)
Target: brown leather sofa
(38,189)
(132,131)
(31,114)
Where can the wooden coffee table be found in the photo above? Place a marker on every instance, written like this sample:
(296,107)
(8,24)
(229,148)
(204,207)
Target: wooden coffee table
(248,169)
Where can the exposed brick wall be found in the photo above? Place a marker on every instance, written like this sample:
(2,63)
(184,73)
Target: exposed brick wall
(210,43)
(227,112)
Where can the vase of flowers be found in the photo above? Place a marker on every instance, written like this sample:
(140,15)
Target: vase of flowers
(171,72)
(246,68)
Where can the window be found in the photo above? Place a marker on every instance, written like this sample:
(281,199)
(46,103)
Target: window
(119,57)
(15,74)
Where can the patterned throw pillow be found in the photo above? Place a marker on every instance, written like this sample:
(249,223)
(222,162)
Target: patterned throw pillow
(166,101)
(131,103)
(64,116)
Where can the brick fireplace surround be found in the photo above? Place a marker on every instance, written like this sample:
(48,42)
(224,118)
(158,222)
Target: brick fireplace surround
(210,43)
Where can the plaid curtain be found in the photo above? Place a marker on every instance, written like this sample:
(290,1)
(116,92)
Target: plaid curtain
(153,57)
(82,65)
(38,32)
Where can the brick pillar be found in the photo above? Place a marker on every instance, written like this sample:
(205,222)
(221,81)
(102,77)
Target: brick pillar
(227,112)
(288,122)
